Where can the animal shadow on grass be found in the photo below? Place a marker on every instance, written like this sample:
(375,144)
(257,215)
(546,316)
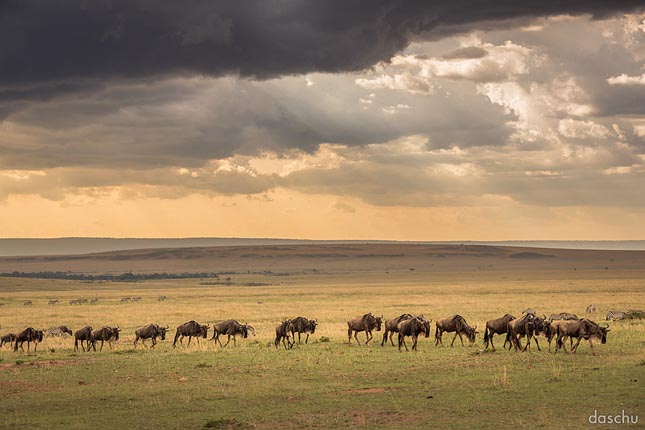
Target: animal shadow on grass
(225,424)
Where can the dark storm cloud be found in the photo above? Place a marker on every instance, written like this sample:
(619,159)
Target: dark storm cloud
(45,41)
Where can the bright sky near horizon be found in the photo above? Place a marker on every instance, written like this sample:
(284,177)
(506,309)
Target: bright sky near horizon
(384,120)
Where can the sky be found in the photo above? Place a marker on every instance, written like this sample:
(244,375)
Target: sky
(343,119)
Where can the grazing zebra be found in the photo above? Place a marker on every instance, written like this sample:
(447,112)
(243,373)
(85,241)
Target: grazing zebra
(591,309)
(615,315)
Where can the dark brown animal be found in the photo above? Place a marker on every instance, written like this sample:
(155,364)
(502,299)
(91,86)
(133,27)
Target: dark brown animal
(282,331)
(413,327)
(303,325)
(581,329)
(496,326)
(28,335)
(9,338)
(366,323)
(150,331)
(231,328)
(521,327)
(392,326)
(82,335)
(456,324)
(103,334)
(191,329)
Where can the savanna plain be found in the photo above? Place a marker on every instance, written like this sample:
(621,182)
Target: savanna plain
(326,383)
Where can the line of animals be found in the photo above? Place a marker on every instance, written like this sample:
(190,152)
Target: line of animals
(530,326)
(94,301)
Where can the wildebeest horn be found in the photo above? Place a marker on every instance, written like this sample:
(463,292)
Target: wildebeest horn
(544,316)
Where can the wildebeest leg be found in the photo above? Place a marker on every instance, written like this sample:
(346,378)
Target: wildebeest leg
(414,343)
(402,342)
(229,339)
(102,342)
(575,348)
(591,345)
(294,338)
(437,338)
(491,341)
(235,342)
(368,336)
(536,343)
(349,334)
(307,339)
(356,337)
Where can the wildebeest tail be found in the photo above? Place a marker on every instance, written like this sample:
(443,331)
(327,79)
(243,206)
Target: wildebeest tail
(176,337)
(486,338)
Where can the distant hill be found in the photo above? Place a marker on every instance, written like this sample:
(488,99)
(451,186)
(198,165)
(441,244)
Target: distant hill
(86,245)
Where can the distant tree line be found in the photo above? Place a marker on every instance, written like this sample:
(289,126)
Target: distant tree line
(123,277)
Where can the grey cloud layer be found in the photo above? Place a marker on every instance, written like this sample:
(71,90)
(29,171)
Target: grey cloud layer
(45,41)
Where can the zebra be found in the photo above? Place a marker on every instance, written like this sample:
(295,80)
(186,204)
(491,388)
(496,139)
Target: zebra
(615,315)
(53,302)
(591,309)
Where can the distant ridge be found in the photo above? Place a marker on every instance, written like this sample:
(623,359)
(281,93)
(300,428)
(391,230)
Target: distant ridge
(86,245)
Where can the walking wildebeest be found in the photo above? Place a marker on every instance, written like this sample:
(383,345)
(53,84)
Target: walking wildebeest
(457,324)
(125,300)
(52,302)
(392,326)
(413,327)
(150,331)
(28,335)
(563,316)
(303,325)
(61,330)
(496,326)
(591,309)
(83,335)
(9,338)
(75,302)
(581,329)
(554,332)
(366,323)
(282,331)
(191,329)
(529,311)
(27,303)
(520,327)
(231,328)
(94,301)
(103,334)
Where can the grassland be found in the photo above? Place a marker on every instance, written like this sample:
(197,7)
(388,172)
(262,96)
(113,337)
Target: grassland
(327,383)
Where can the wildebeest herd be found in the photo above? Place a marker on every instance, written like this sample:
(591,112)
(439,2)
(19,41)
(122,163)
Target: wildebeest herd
(530,326)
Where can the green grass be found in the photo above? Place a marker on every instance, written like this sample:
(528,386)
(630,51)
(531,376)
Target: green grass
(325,384)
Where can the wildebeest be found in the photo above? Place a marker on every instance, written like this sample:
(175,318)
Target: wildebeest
(413,327)
(94,301)
(231,328)
(366,323)
(520,327)
(162,298)
(581,329)
(125,299)
(150,331)
(282,331)
(83,335)
(529,311)
(563,316)
(136,299)
(9,338)
(456,324)
(191,329)
(27,303)
(632,314)
(52,302)
(496,326)
(591,309)
(392,326)
(303,325)
(103,334)
(61,330)
(28,335)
